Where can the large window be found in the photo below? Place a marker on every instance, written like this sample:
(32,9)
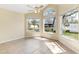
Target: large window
(49,20)
(49,24)
(33,24)
(70,24)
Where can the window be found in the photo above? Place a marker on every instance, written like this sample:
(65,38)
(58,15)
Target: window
(70,24)
(49,11)
(49,24)
(33,24)
(49,20)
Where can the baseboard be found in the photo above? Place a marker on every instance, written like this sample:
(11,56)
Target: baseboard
(11,40)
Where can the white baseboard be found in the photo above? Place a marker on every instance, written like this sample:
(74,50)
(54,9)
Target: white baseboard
(11,40)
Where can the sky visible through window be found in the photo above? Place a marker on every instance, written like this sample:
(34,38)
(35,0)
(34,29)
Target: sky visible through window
(49,23)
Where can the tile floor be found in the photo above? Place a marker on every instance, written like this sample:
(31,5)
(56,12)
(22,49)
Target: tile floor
(36,45)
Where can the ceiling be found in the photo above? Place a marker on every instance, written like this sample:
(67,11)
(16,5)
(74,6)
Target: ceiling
(20,8)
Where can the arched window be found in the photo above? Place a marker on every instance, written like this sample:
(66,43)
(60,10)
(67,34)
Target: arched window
(49,12)
(49,20)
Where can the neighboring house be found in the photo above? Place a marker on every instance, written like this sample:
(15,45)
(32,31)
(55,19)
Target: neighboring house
(73,28)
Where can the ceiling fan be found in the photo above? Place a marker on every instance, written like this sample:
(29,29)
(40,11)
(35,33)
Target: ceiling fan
(37,7)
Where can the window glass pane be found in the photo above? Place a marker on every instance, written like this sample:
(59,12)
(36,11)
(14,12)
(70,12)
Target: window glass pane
(30,25)
(50,25)
(70,24)
(49,11)
(33,24)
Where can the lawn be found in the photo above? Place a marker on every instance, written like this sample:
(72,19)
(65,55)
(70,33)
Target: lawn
(72,35)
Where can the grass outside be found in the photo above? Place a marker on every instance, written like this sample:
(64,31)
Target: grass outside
(72,35)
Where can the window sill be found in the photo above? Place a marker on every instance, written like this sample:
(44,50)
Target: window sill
(70,43)
(48,33)
(70,39)
(32,31)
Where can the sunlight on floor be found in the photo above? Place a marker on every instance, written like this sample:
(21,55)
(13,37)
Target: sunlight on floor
(55,47)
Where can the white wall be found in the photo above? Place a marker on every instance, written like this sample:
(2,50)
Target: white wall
(11,25)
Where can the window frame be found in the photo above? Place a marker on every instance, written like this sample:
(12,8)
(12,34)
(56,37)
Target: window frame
(49,16)
(69,37)
(34,28)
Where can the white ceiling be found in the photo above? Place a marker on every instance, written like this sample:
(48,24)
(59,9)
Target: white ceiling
(21,8)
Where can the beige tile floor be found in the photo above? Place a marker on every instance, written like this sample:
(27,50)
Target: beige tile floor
(36,45)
